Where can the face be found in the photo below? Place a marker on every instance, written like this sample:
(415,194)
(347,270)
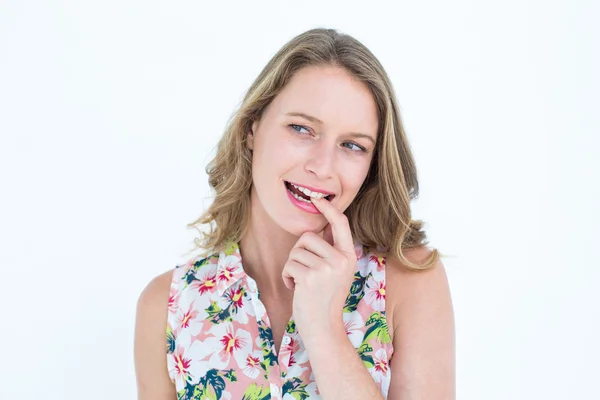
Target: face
(318,134)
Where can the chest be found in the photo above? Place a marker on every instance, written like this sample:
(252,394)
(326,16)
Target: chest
(279,311)
(233,343)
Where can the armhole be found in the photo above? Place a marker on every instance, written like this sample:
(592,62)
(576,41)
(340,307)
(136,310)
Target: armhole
(177,274)
(377,267)
(389,316)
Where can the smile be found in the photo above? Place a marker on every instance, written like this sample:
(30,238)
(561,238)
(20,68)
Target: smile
(302,197)
(305,194)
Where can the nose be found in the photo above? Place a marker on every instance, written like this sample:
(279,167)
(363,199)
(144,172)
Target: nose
(321,160)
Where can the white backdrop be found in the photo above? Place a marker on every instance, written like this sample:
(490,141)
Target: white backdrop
(110,110)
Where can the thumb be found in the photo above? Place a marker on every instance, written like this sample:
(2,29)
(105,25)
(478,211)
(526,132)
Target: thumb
(288,280)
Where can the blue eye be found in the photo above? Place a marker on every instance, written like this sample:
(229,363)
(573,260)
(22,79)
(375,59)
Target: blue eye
(356,147)
(294,126)
(349,145)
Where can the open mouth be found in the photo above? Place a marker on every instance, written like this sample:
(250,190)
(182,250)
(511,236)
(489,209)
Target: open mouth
(300,195)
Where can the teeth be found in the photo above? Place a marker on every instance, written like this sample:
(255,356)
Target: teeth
(300,198)
(316,195)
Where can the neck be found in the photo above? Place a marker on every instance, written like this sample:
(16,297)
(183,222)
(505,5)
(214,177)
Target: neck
(265,248)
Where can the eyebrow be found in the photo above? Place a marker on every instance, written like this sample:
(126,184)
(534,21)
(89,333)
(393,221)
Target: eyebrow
(318,121)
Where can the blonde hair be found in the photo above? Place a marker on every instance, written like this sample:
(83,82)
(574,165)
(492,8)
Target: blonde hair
(380,215)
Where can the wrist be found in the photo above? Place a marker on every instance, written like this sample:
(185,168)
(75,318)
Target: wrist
(323,334)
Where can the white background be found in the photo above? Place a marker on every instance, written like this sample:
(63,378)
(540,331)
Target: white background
(110,110)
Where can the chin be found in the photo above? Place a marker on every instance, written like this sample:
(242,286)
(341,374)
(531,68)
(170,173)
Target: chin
(297,226)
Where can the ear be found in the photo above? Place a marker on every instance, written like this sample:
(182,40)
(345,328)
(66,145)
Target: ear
(250,139)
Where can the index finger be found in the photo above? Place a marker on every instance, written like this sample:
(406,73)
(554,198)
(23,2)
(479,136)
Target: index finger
(340,229)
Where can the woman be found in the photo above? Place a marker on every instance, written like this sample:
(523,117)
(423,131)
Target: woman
(316,282)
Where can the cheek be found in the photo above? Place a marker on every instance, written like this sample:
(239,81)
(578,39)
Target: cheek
(352,178)
(273,153)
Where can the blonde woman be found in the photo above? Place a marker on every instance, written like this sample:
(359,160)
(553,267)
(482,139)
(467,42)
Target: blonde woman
(315,282)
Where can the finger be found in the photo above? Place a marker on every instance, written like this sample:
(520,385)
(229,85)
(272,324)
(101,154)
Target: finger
(315,244)
(306,258)
(328,234)
(340,229)
(292,272)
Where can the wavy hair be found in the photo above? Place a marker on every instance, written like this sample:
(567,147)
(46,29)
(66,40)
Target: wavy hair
(380,215)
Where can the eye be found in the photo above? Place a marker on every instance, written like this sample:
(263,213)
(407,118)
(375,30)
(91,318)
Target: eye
(354,146)
(294,127)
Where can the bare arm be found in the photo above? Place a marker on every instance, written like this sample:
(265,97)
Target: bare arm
(423,364)
(150,354)
(339,371)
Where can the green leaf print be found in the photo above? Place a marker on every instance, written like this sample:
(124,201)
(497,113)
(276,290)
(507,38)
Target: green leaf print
(358,284)
(291,327)
(230,248)
(266,334)
(255,392)
(266,343)
(357,291)
(269,359)
(364,348)
(230,375)
(366,358)
(351,304)
(216,314)
(214,379)
(378,328)
(190,274)
(170,340)
(295,388)
(190,391)
(189,277)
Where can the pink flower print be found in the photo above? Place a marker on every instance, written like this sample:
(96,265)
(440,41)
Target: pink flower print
(235,296)
(227,267)
(189,324)
(184,320)
(379,262)
(381,370)
(362,263)
(287,351)
(174,295)
(381,365)
(253,368)
(181,364)
(375,294)
(240,309)
(354,324)
(185,366)
(206,281)
(225,343)
(230,343)
(226,273)
(294,353)
(358,250)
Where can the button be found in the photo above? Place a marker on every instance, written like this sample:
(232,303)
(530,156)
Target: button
(287,340)
(274,390)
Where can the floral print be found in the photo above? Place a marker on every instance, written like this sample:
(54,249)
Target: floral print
(219,339)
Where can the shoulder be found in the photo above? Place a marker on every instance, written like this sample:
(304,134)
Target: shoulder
(149,341)
(156,293)
(400,276)
(409,290)
(423,328)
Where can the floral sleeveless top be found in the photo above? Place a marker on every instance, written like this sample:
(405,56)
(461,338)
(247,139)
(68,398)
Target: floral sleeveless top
(219,339)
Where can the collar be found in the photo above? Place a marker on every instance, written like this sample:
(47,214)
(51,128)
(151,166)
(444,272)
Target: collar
(229,267)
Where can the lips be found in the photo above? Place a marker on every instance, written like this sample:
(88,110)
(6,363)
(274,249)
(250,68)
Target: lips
(292,187)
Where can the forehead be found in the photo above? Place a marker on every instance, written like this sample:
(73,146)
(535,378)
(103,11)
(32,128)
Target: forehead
(332,95)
